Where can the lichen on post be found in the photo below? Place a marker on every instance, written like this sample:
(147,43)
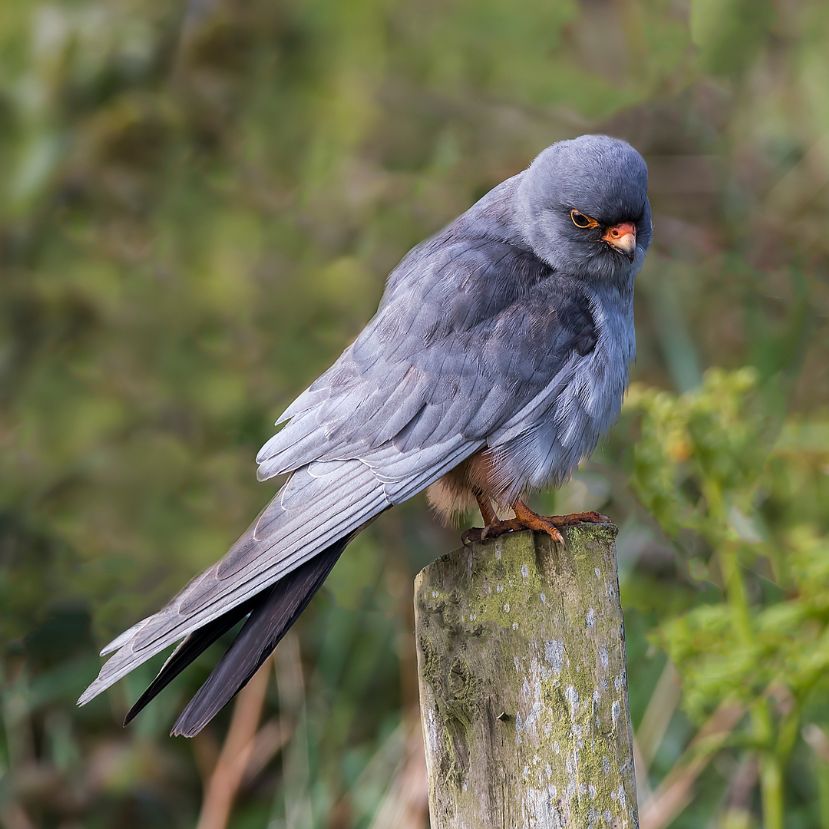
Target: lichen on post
(523,690)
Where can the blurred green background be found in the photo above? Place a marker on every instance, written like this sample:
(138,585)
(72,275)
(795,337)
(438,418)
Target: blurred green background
(199,204)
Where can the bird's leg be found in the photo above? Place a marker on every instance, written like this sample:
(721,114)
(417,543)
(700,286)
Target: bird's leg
(525,519)
(532,521)
(493,527)
(550,524)
(578,518)
(485,506)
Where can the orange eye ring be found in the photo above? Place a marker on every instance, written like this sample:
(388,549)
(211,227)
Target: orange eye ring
(581,221)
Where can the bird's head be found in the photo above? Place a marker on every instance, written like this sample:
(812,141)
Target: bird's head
(583,207)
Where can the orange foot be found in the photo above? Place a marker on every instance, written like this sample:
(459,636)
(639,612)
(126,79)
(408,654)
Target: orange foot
(526,519)
(475,535)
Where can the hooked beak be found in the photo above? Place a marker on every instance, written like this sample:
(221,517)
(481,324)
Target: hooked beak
(622,237)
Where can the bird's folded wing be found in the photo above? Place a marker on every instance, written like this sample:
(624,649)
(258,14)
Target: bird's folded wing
(464,343)
(319,504)
(468,339)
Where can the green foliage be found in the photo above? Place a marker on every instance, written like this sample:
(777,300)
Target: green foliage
(711,450)
(766,639)
(702,453)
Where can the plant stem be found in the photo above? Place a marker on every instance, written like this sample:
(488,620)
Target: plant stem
(771,788)
(771,772)
(822,774)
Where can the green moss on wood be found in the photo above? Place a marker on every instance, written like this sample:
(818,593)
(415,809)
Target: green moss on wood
(523,689)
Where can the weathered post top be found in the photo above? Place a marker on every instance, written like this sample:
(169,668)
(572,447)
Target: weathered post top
(523,691)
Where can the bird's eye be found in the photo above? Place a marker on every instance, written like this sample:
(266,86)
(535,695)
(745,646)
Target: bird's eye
(582,221)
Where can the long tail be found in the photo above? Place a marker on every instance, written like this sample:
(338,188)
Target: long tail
(269,616)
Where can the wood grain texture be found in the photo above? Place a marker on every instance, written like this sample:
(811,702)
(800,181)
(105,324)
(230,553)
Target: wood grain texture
(523,690)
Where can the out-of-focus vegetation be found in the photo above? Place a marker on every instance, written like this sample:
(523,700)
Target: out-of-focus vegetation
(199,203)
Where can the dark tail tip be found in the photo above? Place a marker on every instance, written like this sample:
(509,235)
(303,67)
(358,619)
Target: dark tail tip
(271,615)
(192,647)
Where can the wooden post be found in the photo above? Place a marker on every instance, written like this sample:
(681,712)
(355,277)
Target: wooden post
(523,692)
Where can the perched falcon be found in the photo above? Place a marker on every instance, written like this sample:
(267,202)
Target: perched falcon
(498,357)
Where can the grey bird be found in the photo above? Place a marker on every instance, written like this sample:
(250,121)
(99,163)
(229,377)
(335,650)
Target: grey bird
(496,360)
